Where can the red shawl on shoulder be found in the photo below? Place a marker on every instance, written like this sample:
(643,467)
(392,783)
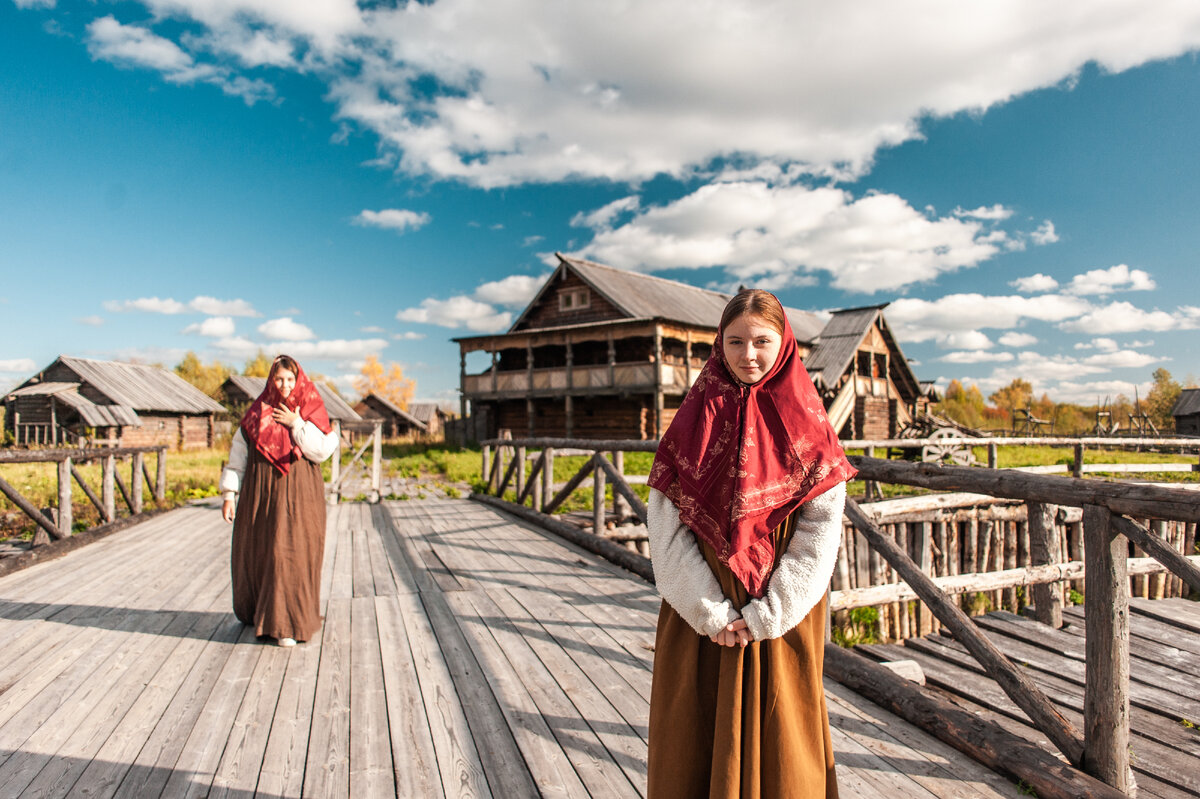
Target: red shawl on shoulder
(272,439)
(738,459)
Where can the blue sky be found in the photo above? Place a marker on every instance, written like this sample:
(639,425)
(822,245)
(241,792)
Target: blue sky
(1019,182)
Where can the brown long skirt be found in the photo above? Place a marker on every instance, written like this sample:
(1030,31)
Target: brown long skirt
(730,722)
(278,546)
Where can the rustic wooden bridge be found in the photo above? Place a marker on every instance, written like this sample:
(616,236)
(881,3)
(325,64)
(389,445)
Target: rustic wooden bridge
(463,654)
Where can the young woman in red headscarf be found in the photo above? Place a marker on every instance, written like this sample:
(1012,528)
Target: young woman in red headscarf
(279,525)
(745,519)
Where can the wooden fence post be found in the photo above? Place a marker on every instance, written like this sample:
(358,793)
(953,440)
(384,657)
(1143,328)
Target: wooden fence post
(598,514)
(1106,612)
(620,504)
(135,482)
(993,455)
(65,517)
(520,475)
(547,478)
(535,490)
(108,494)
(160,476)
(498,469)
(1077,466)
(377,462)
(484,467)
(335,466)
(1044,549)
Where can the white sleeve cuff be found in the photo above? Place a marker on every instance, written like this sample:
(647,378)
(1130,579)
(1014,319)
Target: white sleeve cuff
(804,570)
(681,574)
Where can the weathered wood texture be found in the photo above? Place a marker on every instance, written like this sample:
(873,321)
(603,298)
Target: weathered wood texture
(1164,665)
(463,654)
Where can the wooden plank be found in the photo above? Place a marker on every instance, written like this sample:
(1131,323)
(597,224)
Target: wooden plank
(327,770)
(362,579)
(413,758)
(241,760)
(282,772)
(371,770)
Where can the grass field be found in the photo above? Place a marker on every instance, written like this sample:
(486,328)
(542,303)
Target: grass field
(192,475)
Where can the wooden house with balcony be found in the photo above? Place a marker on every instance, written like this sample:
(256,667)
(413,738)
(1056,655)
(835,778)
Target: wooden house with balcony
(607,353)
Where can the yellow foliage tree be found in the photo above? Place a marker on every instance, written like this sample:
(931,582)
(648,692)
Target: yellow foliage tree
(389,383)
(206,378)
(258,366)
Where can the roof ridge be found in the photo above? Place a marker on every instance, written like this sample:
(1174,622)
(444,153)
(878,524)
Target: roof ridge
(574,260)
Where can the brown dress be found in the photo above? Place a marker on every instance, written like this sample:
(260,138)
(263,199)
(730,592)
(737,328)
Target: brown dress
(278,546)
(730,722)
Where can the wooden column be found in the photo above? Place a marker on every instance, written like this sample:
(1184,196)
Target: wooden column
(462,391)
(1106,611)
(620,504)
(377,461)
(598,497)
(135,482)
(1044,549)
(924,549)
(108,494)
(65,517)
(687,369)
(54,430)
(569,404)
(160,475)
(547,478)
(658,391)
(612,362)
(495,369)
(530,419)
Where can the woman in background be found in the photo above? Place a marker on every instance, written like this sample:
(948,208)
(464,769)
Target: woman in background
(279,525)
(745,519)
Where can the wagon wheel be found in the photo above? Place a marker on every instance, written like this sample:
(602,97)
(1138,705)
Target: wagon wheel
(935,451)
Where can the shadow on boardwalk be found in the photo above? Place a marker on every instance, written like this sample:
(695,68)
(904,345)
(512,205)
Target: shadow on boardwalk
(463,654)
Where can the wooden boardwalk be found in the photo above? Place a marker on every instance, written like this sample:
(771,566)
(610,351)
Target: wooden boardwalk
(463,654)
(1164,679)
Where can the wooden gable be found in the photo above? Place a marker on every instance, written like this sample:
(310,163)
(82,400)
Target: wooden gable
(568,300)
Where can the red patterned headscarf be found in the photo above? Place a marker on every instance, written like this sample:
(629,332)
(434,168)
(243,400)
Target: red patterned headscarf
(738,459)
(272,439)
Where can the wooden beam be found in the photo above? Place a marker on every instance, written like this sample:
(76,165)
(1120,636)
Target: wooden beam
(88,492)
(160,472)
(570,486)
(29,510)
(595,445)
(547,479)
(107,494)
(598,503)
(66,517)
(1128,498)
(1106,622)
(622,487)
(135,483)
(1160,550)
(533,484)
(1019,688)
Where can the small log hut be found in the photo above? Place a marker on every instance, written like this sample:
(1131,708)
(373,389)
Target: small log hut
(431,415)
(396,421)
(1187,412)
(82,401)
(607,353)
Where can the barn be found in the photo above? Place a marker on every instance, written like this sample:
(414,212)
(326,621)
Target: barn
(608,353)
(81,401)
(396,421)
(1187,412)
(431,415)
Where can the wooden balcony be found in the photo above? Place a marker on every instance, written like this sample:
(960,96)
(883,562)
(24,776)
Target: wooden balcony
(618,378)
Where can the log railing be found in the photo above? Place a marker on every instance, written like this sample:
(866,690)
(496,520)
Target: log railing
(1103,510)
(58,524)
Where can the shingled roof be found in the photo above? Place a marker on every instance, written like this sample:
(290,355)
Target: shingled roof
(1188,402)
(89,412)
(648,297)
(136,386)
(335,406)
(840,339)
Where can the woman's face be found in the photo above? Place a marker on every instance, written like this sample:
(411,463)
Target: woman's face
(751,347)
(285,381)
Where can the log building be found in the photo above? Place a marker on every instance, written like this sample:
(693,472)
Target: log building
(397,422)
(607,353)
(1187,412)
(79,401)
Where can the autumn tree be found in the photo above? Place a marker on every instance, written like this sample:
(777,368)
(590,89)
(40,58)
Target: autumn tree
(1016,394)
(1161,399)
(962,405)
(258,366)
(206,378)
(389,383)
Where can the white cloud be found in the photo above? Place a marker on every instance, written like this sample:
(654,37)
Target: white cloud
(1106,281)
(1096,391)
(397,219)
(965,340)
(91,321)
(976,356)
(923,320)
(1034,284)
(34,3)
(1123,317)
(1102,344)
(514,291)
(238,347)
(214,307)
(458,312)
(771,236)
(1039,370)
(995,213)
(17,365)
(146,304)
(371,329)
(134,46)
(213,327)
(333,348)
(529,241)
(534,96)
(285,329)
(1044,234)
(408,335)
(1014,339)
(1122,359)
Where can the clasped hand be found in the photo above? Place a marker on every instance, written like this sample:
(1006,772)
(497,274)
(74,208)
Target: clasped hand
(285,416)
(736,633)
